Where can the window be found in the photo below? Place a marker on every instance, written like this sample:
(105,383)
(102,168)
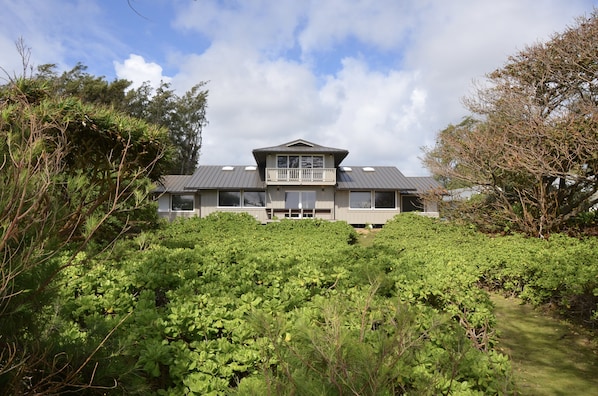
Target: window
(229,198)
(248,199)
(385,200)
(411,203)
(360,199)
(181,203)
(363,200)
(254,199)
(300,200)
(300,161)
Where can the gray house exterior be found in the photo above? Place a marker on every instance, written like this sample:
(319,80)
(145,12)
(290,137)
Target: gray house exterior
(298,179)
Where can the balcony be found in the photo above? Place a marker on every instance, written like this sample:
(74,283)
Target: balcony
(301,176)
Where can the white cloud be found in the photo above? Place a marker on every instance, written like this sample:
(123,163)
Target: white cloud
(138,71)
(395,70)
(379,23)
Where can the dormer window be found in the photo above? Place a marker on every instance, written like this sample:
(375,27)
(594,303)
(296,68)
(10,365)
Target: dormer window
(300,161)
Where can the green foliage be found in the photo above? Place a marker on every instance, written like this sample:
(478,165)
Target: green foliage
(66,168)
(223,304)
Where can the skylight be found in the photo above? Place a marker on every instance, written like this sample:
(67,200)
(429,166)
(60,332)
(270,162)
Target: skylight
(250,168)
(369,169)
(228,168)
(346,169)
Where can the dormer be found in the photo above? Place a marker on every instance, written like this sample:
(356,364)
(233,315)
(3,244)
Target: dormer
(299,162)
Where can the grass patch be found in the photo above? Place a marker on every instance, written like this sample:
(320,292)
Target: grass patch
(550,357)
(366,236)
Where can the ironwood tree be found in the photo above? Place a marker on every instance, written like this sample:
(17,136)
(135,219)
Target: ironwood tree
(531,141)
(184,116)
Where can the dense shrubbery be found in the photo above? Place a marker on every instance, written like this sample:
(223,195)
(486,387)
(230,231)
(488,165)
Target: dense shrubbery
(225,305)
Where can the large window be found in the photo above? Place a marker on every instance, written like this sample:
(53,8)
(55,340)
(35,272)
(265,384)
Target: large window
(300,161)
(182,203)
(254,199)
(300,200)
(385,200)
(372,200)
(250,199)
(360,200)
(411,203)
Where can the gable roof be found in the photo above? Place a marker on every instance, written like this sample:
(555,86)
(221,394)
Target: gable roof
(379,178)
(223,177)
(298,146)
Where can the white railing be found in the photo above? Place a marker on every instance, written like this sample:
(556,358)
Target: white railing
(300,175)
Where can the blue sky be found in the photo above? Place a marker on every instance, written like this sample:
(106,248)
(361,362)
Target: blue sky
(379,78)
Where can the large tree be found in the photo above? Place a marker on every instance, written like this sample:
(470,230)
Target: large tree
(532,138)
(183,116)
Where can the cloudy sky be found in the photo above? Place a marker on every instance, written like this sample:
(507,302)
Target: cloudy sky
(379,78)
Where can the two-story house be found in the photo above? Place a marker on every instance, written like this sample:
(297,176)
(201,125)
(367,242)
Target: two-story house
(298,179)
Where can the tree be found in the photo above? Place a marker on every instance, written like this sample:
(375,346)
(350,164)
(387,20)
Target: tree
(66,167)
(184,116)
(532,139)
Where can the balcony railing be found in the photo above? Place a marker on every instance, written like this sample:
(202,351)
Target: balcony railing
(301,176)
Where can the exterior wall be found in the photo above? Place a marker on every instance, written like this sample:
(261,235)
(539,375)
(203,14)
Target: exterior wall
(330,205)
(430,208)
(362,216)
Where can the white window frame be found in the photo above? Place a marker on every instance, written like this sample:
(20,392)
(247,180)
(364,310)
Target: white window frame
(372,201)
(241,198)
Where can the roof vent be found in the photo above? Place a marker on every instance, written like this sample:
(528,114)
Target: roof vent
(346,169)
(250,168)
(228,168)
(368,169)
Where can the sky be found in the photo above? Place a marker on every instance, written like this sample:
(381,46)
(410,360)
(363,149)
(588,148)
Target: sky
(379,78)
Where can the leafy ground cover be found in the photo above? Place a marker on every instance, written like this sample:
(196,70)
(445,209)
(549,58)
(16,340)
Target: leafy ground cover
(224,305)
(549,356)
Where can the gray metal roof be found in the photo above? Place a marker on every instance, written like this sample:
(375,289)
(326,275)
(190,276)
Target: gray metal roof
(299,146)
(375,177)
(425,184)
(172,183)
(222,177)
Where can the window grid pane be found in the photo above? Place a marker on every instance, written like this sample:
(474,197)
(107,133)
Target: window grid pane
(229,198)
(182,202)
(254,199)
(360,199)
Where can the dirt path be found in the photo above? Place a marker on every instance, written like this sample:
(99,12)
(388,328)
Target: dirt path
(549,357)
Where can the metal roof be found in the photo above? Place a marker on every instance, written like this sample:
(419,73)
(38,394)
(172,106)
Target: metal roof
(425,184)
(299,146)
(222,177)
(209,177)
(172,183)
(372,177)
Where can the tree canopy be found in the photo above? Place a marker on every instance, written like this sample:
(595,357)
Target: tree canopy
(183,116)
(532,139)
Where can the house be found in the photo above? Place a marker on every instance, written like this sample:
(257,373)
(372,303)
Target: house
(298,179)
